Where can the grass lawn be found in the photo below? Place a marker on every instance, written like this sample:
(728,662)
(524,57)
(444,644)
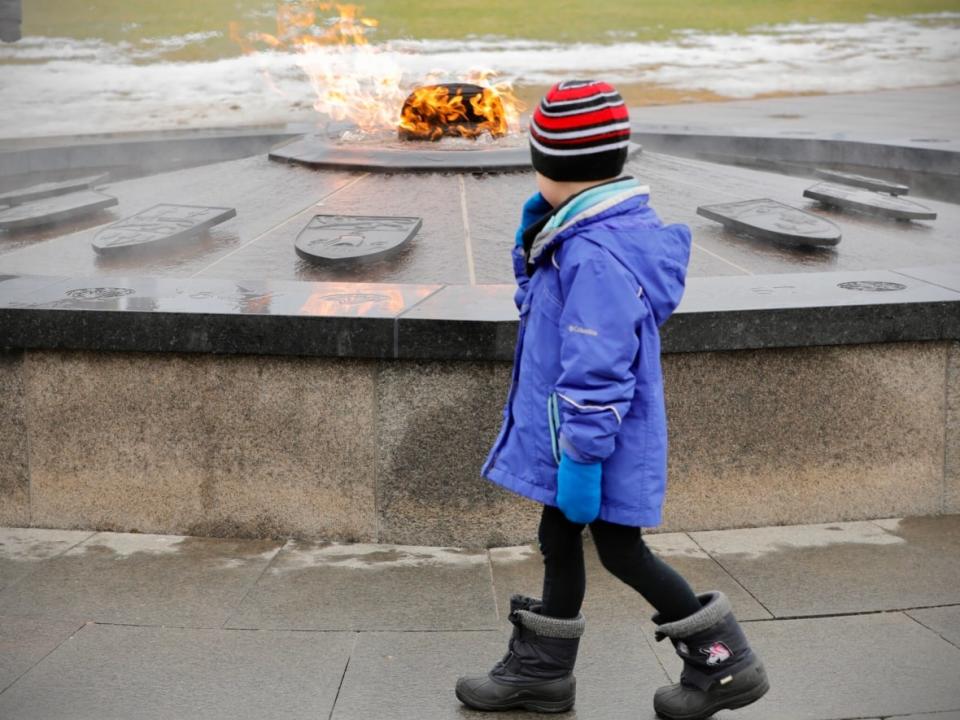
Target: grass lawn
(559,20)
(565,20)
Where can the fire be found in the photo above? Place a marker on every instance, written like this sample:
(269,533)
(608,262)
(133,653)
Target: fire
(460,109)
(358,82)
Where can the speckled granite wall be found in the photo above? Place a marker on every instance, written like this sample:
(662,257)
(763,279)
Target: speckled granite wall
(204,445)
(805,435)
(951,495)
(14,467)
(437,424)
(391,450)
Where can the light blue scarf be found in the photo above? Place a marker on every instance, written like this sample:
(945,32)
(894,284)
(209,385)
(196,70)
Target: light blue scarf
(586,200)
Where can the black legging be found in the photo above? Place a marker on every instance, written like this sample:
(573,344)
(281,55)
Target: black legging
(622,551)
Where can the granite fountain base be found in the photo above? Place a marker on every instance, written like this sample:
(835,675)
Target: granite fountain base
(228,386)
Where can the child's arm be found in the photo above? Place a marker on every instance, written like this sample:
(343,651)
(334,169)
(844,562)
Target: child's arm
(534,209)
(601,314)
(520,273)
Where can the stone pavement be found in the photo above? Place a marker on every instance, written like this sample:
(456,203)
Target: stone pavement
(854,620)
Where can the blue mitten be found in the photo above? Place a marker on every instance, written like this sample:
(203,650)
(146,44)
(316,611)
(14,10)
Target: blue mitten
(578,489)
(533,209)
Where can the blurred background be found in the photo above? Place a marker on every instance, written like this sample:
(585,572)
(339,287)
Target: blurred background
(90,66)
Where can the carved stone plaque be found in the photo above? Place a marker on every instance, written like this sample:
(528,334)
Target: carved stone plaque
(54,209)
(771,220)
(862,181)
(870,203)
(344,238)
(51,189)
(161,223)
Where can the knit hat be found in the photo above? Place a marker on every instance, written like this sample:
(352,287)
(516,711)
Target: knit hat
(580,131)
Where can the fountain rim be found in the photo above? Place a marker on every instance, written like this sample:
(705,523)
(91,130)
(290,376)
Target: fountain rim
(314,152)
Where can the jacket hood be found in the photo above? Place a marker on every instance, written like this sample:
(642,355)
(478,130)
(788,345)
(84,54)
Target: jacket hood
(617,217)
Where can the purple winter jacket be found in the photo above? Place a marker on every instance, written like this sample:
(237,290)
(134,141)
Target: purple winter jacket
(586,375)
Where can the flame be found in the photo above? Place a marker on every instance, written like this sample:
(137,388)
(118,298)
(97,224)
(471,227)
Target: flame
(355,81)
(467,110)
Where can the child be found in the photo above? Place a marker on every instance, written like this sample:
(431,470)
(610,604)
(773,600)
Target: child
(584,429)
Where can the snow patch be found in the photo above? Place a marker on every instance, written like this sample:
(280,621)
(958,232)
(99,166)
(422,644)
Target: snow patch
(298,555)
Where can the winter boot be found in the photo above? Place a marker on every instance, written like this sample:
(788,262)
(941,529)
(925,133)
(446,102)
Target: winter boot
(537,671)
(720,671)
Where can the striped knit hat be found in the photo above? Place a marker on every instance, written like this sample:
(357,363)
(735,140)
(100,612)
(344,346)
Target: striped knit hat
(580,131)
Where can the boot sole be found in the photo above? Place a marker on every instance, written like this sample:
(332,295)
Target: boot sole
(531,705)
(729,703)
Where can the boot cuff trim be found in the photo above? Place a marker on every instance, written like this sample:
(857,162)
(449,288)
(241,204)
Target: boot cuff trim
(552,627)
(716,606)
(522,602)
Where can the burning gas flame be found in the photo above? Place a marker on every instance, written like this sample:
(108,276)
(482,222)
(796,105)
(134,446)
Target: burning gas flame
(355,81)
(459,109)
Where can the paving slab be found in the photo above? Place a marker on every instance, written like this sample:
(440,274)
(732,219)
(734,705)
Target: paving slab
(264,195)
(678,185)
(53,210)
(945,621)
(123,672)
(22,550)
(370,587)
(468,227)
(142,579)
(415,674)
(50,189)
(436,254)
(844,567)
(25,641)
(852,667)
(609,602)
(951,715)
(947,276)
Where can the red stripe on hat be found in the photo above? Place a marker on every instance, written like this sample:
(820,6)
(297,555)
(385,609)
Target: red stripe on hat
(578,93)
(582,121)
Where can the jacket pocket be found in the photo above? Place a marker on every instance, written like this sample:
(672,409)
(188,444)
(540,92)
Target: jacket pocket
(553,422)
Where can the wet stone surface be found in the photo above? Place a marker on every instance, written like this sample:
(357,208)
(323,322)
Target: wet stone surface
(443,612)
(22,550)
(797,290)
(946,276)
(771,220)
(862,181)
(857,666)
(25,641)
(52,210)
(112,672)
(141,578)
(468,225)
(159,224)
(920,564)
(345,239)
(370,587)
(50,189)
(214,296)
(870,203)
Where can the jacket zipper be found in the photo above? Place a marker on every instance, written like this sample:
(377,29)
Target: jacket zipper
(553,421)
